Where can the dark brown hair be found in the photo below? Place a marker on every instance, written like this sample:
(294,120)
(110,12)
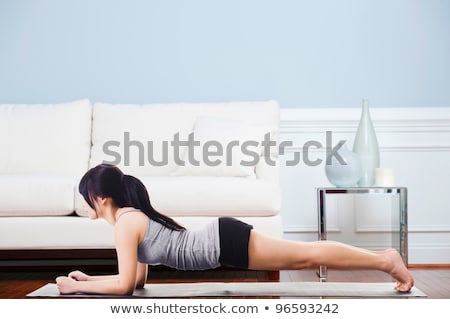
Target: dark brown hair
(107,180)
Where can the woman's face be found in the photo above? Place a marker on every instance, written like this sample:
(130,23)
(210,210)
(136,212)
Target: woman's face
(91,212)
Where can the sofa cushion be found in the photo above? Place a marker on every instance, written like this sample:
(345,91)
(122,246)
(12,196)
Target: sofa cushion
(135,137)
(130,136)
(225,148)
(36,195)
(211,196)
(45,138)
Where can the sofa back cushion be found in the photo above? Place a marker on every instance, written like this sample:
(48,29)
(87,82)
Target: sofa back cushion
(50,139)
(138,138)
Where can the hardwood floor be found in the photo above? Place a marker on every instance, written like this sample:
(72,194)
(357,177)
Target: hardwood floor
(435,282)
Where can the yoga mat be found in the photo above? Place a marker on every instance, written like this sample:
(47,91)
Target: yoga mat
(250,289)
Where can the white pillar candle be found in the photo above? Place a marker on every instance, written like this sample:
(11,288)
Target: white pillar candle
(384,177)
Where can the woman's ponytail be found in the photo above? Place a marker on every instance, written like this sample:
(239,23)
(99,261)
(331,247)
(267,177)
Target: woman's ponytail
(136,196)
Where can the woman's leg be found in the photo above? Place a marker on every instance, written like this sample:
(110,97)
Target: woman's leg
(266,253)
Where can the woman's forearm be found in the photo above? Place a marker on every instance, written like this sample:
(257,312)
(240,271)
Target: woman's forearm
(102,277)
(106,285)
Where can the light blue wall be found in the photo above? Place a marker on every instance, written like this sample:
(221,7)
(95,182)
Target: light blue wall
(324,53)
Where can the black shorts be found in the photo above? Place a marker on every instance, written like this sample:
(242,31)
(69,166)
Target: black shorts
(234,236)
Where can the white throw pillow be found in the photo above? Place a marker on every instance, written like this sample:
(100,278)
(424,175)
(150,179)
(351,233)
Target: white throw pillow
(223,147)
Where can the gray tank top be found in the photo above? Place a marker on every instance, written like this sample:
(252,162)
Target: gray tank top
(190,249)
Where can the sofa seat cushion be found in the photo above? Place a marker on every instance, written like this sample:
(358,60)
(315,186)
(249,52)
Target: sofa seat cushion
(36,195)
(211,196)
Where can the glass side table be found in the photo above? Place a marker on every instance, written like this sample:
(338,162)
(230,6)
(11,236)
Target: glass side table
(322,193)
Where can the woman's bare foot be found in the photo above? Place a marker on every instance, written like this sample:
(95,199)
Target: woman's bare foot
(398,271)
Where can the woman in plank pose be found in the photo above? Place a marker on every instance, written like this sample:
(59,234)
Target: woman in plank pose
(144,236)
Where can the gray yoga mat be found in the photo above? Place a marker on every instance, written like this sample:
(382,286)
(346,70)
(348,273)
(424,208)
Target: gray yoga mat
(251,289)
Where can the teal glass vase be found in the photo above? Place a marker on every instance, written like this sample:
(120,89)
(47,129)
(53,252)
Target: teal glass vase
(366,146)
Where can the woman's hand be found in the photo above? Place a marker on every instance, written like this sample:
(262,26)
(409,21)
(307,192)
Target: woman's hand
(78,276)
(66,285)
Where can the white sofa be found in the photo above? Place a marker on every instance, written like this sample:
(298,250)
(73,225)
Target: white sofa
(47,148)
